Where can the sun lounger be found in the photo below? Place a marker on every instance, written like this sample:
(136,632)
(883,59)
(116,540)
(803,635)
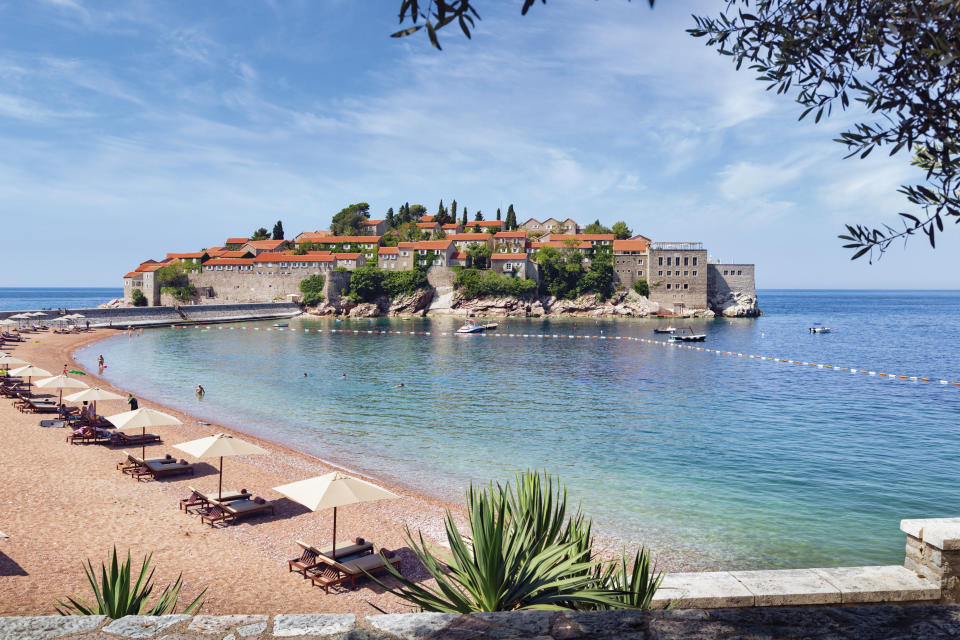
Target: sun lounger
(309,558)
(86,435)
(198,499)
(232,511)
(330,572)
(132,462)
(41,406)
(120,439)
(155,470)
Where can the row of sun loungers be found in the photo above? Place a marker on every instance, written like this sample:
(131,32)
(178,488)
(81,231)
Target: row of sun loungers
(154,468)
(351,563)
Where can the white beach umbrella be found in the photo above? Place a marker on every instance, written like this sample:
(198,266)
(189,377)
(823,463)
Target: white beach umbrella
(93,395)
(29,372)
(142,418)
(219,446)
(333,490)
(6,360)
(20,316)
(38,314)
(7,322)
(61,382)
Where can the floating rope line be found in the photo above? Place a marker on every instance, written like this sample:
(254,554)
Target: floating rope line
(563,336)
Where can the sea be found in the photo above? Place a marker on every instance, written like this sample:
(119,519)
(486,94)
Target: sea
(37,298)
(712,460)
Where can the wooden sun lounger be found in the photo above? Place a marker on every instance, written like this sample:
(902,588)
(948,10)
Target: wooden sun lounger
(134,462)
(120,439)
(198,499)
(309,557)
(330,572)
(232,511)
(94,436)
(154,470)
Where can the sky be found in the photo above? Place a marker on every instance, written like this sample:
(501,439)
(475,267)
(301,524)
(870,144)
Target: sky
(133,129)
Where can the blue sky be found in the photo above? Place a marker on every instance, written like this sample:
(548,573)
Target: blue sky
(136,128)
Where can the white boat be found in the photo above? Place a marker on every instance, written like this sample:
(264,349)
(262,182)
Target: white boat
(473,327)
(280,324)
(818,328)
(665,330)
(687,335)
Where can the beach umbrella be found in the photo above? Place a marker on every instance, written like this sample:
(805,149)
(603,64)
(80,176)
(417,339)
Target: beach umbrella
(142,418)
(333,490)
(92,395)
(61,382)
(219,446)
(7,322)
(29,372)
(6,360)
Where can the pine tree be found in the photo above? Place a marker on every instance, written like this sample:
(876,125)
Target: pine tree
(498,213)
(479,216)
(278,230)
(511,223)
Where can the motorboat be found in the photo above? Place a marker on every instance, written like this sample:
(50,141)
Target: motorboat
(281,324)
(665,330)
(818,328)
(687,335)
(473,327)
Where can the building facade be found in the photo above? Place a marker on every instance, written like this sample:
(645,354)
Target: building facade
(678,275)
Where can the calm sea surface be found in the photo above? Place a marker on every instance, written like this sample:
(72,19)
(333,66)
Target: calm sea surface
(17,298)
(723,461)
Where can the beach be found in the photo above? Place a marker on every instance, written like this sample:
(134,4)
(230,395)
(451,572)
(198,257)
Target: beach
(66,504)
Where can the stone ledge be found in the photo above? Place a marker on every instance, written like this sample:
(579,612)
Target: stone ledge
(885,622)
(942,533)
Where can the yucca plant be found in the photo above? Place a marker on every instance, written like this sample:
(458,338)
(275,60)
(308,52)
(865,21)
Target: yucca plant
(116,596)
(523,552)
(635,582)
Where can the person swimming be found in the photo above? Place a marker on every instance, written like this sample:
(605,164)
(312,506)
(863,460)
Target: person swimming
(200,391)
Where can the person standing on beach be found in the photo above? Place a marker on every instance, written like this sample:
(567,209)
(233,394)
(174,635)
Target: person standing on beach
(134,405)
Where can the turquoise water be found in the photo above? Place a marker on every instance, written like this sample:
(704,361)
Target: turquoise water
(714,460)
(32,298)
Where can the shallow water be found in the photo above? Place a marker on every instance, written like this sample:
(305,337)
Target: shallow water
(728,462)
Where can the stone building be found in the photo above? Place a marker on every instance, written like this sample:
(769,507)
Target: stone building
(475,226)
(464,240)
(510,241)
(677,275)
(511,264)
(436,253)
(388,258)
(256,247)
(550,225)
(630,261)
(373,227)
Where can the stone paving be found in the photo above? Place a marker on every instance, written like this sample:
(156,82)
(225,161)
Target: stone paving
(887,622)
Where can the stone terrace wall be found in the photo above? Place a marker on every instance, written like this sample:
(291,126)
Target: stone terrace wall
(719,285)
(146,316)
(928,622)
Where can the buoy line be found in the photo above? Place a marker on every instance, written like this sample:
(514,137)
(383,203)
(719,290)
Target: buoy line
(563,336)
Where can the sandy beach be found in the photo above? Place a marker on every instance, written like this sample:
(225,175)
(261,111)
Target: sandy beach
(67,503)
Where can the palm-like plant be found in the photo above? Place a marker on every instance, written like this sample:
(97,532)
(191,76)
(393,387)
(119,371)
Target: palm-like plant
(635,582)
(117,597)
(523,553)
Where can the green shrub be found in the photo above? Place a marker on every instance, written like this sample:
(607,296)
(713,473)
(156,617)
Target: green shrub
(369,283)
(477,284)
(173,279)
(117,597)
(523,552)
(641,287)
(312,289)
(137,298)
(563,274)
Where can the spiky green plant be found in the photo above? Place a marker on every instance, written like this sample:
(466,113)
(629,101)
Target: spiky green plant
(635,582)
(523,552)
(117,597)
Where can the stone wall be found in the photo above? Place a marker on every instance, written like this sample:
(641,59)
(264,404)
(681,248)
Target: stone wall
(687,279)
(335,283)
(849,623)
(221,287)
(723,279)
(441,277)
(157,316)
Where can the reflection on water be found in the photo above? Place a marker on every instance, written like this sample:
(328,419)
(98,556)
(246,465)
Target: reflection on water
(729,461)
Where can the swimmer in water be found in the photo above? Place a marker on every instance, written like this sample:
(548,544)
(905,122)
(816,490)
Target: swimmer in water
(344,376)
(200,391)
(399,385)
(304,374)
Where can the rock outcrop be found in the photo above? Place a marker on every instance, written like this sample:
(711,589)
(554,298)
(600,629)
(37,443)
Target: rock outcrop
(416,303)
(116,303)
(734,304)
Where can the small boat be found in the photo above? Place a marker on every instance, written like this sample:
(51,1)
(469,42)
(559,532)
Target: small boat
(818,328)
(280,324)
(473,327)
(687,335)
(665,330)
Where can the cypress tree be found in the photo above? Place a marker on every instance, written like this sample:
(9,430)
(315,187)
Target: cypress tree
(278,230)
(389,218)
(498,213)
(453,211)
(463,223)
(511,218)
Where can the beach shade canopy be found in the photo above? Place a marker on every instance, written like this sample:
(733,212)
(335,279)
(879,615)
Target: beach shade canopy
(7,322)
(37,314)
(29,372)
(93,395)
(20,316)
(61,382)
(219,446)
(6,360)
(331,491)
(142,418)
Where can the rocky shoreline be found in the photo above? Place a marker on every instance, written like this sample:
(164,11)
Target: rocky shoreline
(624,304)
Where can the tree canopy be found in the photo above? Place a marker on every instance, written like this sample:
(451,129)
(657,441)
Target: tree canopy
(620,230)
(900,61)
(348,220)
(278,230)
(596,227)
(260,234)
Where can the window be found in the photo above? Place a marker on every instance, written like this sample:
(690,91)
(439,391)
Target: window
(639,272)
(640,261)
(694,260)
(694,273)
(405,253)
(508,266)
(669,260)
(739,273)
(659,273)
(686,273)
(660,262)
(724,272)
(668,284)
(686,286)
(686,261)
(437,263)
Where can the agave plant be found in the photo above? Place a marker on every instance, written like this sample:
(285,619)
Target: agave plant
(523,552)
(117,597)
(635,582)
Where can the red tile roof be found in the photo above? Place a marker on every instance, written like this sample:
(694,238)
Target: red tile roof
(559,245)
(427,225)
(347,256)
(433,244)
(510,234)
(231,254)
(212,249)
(468,237)
(450,225)
(427,218)
(227,261)
(630,245)
(312,236)
(266,245)
(388,250)
(196,254)
(322,256)
(149,267)
(237,241)
(485,223)
(132,274)
(348,239)
(509,256)
(371,223)
(460,255)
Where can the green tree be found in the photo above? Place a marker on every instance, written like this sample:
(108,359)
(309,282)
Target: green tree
(278,231)
(417,211)
(389,218)
(478,216)
(641,287)
(453,211)
(596,227)
(621,231)
(511,221)
(260,234)
(348,220)
(174,280)
(479,254)
(137,298)
(498,213)
(312,289)
(463,221)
